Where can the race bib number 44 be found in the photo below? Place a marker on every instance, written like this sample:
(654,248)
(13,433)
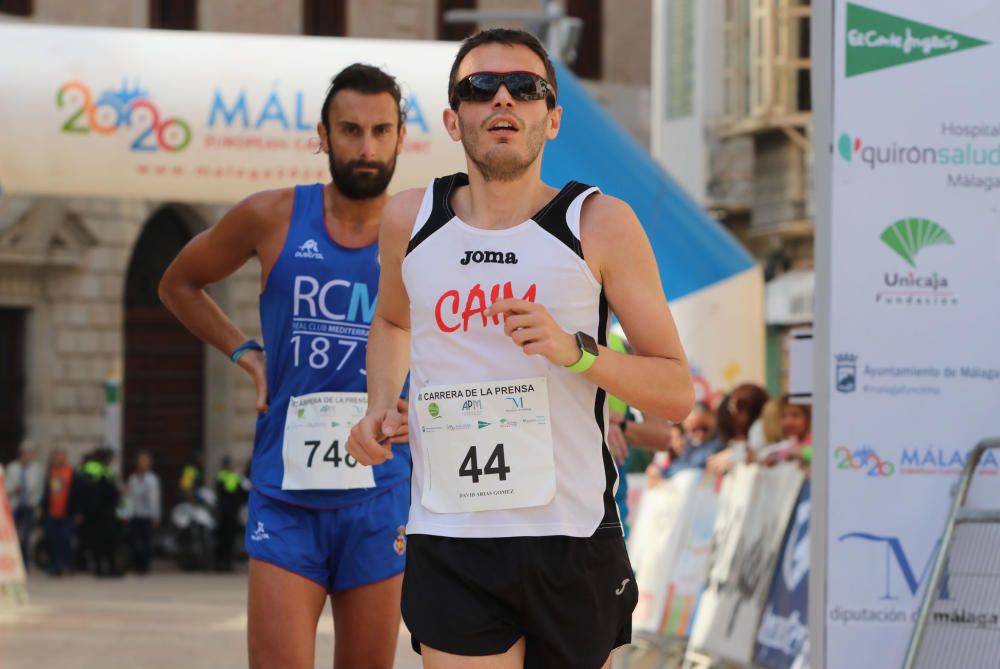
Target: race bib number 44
(314,451)
(487,446)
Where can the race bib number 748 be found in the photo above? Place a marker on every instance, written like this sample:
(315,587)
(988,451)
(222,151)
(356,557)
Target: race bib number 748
(314,451)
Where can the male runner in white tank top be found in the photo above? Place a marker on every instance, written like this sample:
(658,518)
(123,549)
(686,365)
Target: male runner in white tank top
(496,291)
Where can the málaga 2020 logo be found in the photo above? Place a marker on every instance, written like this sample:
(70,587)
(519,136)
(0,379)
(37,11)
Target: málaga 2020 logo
(124,109)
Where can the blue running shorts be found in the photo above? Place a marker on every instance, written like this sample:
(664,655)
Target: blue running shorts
(339,548)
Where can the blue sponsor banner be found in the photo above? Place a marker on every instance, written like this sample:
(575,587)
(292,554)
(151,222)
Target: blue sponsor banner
(783,638)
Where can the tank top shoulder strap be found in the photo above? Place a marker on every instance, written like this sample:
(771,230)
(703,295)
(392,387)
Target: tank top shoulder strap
(561,216)
(435,210)
(307,211)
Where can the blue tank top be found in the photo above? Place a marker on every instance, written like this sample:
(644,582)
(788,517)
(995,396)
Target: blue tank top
(315,312)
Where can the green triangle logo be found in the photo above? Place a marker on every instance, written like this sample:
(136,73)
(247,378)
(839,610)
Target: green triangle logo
(876,40)
(907,237)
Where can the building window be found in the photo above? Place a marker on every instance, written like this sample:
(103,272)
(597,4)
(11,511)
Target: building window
(736,60)
(680,58)
(324,17)
(17,7)
(589,62)
(766,63)
(790,57)
(454,32)
(173,14)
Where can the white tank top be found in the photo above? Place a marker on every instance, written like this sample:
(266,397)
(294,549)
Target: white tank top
(452,272)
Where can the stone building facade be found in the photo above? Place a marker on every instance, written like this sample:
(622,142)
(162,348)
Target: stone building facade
(88,355)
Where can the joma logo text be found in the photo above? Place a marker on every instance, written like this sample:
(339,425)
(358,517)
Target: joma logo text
(509,258)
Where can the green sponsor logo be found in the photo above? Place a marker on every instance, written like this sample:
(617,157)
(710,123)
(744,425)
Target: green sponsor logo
(434,410)
(908,236)
(483,424)
(876,40)
(301,412)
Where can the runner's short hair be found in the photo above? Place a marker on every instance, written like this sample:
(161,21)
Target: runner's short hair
(510,37)
(366,79)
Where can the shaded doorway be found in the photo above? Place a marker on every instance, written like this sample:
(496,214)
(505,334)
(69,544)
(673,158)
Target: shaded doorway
(12,381)
(164,380)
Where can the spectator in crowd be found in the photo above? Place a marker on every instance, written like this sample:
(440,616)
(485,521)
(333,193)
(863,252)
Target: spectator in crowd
(143,491)
(743,406)
(84,502)
(724,422)
(677,444)
(100,512)
(192,476)
(691,447)
(25,479)
(230,496)
(766,430)
(59,506)
(703,440)
(796,424)
(650,433)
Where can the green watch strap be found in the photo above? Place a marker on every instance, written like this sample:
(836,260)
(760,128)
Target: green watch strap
(585,362)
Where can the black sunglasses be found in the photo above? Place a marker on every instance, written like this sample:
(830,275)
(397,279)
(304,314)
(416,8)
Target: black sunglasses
(482,86)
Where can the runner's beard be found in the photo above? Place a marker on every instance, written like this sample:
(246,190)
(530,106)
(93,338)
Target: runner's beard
(357,185)
(502,162)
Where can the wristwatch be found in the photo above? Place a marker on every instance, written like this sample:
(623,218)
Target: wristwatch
(588,353)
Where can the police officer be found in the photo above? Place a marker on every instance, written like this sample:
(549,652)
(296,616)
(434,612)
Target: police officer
(230,495)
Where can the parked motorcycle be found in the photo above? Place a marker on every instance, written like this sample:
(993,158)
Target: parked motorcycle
(193,525)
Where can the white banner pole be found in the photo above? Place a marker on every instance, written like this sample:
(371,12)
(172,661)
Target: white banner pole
(821,34)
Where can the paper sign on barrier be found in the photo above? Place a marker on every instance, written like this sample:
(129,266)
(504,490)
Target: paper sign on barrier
(783,638)
(754,509)
(656,543)
(687,581)
(12,575)
(670,546)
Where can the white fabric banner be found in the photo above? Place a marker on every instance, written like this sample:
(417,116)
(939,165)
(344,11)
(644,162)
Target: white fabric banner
(718,359)
(195,116)
(914,305)
(754,509)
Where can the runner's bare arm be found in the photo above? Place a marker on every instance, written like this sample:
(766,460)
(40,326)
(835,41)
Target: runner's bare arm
(215,254)
(656,380)
(389,337)
(389,341)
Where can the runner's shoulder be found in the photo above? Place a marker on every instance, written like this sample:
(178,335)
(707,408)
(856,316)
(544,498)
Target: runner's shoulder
(400,213)
(266,207)
(606,216)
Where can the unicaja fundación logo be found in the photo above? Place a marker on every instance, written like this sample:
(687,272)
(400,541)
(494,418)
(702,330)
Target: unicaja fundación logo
(877,40)
(907,237)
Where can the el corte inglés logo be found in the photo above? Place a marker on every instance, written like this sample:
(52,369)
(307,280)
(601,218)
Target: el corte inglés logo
(877,40)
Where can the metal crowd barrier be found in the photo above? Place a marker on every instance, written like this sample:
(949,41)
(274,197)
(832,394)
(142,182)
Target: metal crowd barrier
(956,632)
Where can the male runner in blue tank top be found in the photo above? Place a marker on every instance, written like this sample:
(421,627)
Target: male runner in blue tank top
(319,523)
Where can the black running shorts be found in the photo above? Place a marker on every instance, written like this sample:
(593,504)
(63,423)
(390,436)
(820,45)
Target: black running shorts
(570,598)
